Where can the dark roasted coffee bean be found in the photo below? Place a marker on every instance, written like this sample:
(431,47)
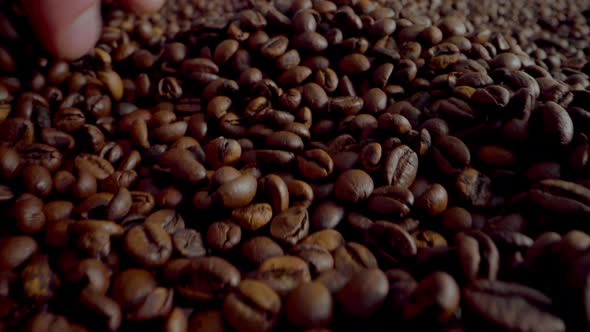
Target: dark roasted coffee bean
(309,305)
(283,273)
(318,258)
(353,186)
(238,192)
(204,321)
(188,243)
(353,257)
(534,306)
(16,250)
(390,241)
(551,125)
(170,220)
(291,225)
(478,255)
(401,166)
(450,155)
(223,235)
(206,279)
(148,244)
(252,306)
(254,216)
(183,165)
(434,301)
(364,293)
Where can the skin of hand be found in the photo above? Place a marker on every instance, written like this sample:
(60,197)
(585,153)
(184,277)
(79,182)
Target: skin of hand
(70,28)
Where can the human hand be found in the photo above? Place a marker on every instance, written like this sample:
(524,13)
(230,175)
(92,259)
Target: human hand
(70,28)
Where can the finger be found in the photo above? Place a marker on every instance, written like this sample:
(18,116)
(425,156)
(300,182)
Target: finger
(144,6)
(67,28)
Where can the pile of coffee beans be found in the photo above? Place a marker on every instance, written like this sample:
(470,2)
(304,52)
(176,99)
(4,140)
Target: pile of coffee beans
(300,165)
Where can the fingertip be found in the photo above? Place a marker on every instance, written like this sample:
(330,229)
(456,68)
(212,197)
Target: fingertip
(144,6)
(75,40)
(67,29)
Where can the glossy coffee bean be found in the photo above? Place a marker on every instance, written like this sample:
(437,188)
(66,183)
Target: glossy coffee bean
(252,306)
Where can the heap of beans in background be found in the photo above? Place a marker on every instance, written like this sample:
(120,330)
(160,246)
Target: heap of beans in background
(300,166)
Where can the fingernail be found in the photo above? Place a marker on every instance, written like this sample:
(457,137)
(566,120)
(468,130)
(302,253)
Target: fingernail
(75,40)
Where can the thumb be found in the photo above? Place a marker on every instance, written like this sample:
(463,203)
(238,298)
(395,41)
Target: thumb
(67,28)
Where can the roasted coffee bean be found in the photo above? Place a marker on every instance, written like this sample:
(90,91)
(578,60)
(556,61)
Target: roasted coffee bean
(401,166)
(390,241)
(309,305)
(283,273)
(327,214)
(253,216)
(16,250)
(318,258)
(433,201)
(206,279)
(223,235)
(474,187)
(477,254)
(551,125)
(291,225)
(28,211)
(328,239)
(353,186)
(238,192)
(364,293)
(211,320)
(183,165)
(188,243)
(91,274)
(482,295)
(315,164)
(353,257)
(170,220)
(391,201)
(148,244)
(260,248)
(252,306)
(434,301)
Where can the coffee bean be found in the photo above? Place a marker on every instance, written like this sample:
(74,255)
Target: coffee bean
(107,312)
(275,47)
(283,273)
(352,257)
(364,293)
(482,294)
(170,220)
(353,186)
(309,305)
(327,214)
(252,306)
(203,321)
(183,165)
(551,125)
(29,214)
(291,225)
(474,187)
(223,235)
(391,201)
(433,201)
(188,243)
(390,241)
(238,192)
(253,216)
(401,166)
(16,250)
(315,164)
(206,279)
(149,245)
(425,309)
